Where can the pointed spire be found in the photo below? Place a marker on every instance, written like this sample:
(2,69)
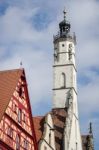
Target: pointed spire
(21,64)
(90,128)
(64,12)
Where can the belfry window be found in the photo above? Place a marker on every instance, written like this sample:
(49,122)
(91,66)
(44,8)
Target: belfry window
(63,80)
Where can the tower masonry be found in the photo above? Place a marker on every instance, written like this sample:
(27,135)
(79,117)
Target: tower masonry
(64,83)
(64,67)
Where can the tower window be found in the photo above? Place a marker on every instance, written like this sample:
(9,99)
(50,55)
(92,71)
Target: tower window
(76,146)
(63,45)
(50,138)
(63,80)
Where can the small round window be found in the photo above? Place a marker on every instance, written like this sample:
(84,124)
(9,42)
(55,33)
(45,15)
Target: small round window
(63,45)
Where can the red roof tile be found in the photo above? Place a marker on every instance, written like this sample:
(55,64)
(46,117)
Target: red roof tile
(8,83)
(38,126)
(59,118)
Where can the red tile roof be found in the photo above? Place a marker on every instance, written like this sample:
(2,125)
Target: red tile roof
(8,83)
(38,126)
(59,118)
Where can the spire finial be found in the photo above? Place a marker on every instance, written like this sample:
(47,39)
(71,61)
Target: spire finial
(64,11)
(90,128)
(21,64)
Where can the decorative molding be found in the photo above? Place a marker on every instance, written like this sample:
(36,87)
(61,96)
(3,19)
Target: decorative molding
(65,89)
(61,65)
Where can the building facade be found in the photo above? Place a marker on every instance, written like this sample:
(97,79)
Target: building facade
(16,126)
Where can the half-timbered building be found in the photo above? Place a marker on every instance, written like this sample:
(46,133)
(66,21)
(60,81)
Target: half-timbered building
(16,125)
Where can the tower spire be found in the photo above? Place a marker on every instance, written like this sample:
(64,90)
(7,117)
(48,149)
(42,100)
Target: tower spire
(64,26)
(90,128)
(64,12)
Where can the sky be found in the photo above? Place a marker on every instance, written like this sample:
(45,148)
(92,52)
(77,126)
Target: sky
(26,34)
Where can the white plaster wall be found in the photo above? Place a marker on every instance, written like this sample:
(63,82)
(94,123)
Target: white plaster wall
(48,128)
(75,136)
(63,65)
(62,52)
(59,94)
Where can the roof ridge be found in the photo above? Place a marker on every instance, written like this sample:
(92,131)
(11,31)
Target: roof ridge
(11,70)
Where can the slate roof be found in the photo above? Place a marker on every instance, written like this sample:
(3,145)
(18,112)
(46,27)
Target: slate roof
(59,118)
(86,142)
(8,83)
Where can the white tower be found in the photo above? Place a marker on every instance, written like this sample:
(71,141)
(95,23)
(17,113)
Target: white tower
(65,90)
(64,65)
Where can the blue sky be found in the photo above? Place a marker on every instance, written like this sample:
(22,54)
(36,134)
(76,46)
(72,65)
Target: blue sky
(26,34)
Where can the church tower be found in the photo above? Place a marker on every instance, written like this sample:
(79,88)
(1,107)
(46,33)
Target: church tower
(64,84)
(64,65)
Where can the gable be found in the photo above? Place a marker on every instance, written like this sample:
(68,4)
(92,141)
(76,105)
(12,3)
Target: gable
(15,101)
(8,82)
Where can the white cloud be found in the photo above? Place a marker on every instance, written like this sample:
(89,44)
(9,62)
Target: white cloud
(20,41)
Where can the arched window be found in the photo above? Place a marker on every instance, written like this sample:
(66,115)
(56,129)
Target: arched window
(17,142)
(63,80)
